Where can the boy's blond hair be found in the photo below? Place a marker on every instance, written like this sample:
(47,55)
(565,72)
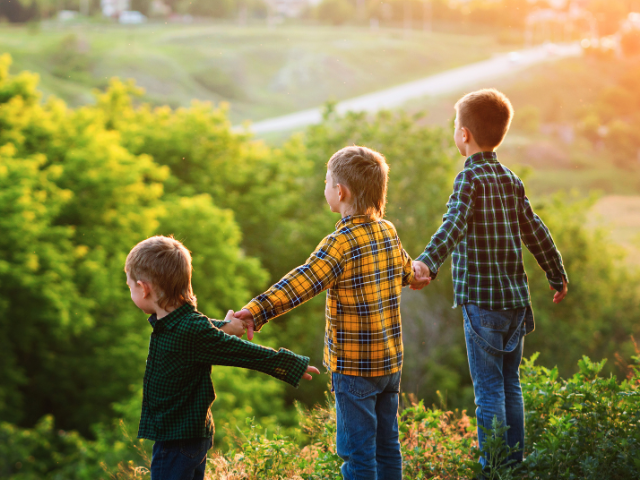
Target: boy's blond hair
(365,172)
(487,113)
(166,264)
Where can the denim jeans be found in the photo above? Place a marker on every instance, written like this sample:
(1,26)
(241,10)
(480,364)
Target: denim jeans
(367,426)
(495,340)
(180,459)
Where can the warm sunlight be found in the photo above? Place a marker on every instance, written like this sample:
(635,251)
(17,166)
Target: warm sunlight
(476,154)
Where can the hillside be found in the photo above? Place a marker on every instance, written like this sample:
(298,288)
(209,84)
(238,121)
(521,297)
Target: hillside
(262,72)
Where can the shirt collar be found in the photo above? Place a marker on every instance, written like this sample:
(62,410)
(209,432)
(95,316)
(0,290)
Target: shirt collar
(481,157)
(354,220)
(170,321)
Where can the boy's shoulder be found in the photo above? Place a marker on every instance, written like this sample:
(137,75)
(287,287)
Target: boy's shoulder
(350,235)
(193,322)
(479,172)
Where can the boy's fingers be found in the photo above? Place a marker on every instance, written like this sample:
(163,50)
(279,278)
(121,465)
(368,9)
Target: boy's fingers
(249,331)
(307,376)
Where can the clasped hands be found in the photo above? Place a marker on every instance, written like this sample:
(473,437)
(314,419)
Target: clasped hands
(422,276)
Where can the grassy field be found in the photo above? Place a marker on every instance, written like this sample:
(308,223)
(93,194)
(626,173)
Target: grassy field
(262,72)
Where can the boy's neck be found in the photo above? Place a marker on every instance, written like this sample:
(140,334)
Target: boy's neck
(163,312)
(473,149)
(346,210)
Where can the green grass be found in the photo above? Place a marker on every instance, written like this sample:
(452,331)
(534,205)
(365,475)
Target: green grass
(262,72)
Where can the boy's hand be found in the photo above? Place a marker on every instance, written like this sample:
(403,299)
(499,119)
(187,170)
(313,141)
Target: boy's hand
(422,276)
(247,319)
(310,370)
(234,327)
(559,296)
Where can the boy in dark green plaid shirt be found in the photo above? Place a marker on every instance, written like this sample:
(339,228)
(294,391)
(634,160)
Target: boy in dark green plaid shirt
(488,218)
(178,392)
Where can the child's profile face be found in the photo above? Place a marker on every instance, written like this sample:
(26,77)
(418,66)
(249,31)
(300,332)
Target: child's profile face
(331,193)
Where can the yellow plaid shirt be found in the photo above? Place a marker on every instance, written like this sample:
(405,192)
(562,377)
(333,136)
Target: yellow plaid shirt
(363,267)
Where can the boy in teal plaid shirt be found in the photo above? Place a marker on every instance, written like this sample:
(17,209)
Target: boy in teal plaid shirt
(488,218)
(178,392)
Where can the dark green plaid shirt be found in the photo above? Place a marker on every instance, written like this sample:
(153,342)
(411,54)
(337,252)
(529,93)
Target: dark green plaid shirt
(178,392)
(488,216)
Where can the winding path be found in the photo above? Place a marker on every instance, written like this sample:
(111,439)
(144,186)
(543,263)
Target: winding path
(446,82)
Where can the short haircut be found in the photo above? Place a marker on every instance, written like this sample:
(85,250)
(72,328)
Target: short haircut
(365,172)
(487,113)
(166,264)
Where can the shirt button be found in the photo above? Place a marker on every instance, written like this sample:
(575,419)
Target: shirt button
(144,404)
(153,335)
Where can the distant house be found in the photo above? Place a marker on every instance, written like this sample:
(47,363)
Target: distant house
(114,8)
(290,8)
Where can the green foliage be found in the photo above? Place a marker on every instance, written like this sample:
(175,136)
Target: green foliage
(586,427)
(600,312)
(582,428)
(74,201)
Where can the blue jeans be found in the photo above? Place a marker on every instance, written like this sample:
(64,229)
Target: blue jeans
(367,436)
(180,459)
(495,340)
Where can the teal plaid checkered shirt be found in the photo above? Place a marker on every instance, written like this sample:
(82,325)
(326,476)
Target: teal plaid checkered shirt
(178,392)
(488,218)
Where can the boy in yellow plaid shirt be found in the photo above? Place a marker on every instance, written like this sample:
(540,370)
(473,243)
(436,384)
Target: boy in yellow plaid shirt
(363,267)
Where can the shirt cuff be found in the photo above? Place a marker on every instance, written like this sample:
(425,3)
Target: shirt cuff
(424,258)
(259,317)
(294,375)
(556,281)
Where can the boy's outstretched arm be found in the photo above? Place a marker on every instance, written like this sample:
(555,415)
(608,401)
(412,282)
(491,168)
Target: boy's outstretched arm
(537,238)
(213,347)
(454,225)
(319,272)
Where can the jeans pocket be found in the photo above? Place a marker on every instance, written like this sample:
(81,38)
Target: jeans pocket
(194,447)
(363,386)
(496,320)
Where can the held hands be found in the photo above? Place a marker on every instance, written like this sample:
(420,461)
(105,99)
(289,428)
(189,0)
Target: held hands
(310,370)
(422,276)
(246,318)
(234,327)
(559,296)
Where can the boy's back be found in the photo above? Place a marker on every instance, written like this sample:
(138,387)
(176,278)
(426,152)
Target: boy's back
(489,214)
(363,267)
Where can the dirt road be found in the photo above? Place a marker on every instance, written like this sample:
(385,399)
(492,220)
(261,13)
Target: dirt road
(475,75)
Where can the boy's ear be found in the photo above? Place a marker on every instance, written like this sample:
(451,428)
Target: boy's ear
(343,193)
(466,135)
(146,288)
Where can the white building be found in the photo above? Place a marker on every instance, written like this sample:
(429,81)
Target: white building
(113,8)
(290,8)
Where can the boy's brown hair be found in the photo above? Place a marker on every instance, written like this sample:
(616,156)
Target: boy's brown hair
(365,172)
(487,113)
(166,264)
